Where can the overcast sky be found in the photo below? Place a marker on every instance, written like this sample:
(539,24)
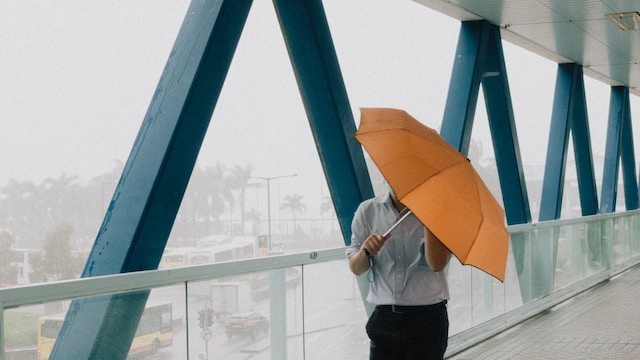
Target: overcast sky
(76,79)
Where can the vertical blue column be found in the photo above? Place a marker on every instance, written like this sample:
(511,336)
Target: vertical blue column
(315,64)
(141,214)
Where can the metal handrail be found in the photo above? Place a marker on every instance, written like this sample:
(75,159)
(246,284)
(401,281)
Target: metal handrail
(142,280)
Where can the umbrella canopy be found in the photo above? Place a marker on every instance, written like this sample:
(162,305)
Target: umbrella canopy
(439,185)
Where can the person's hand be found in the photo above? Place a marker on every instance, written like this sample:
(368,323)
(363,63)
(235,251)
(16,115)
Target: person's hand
(374,243)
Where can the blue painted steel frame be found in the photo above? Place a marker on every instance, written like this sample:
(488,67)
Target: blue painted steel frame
(479,59)
(315,64)
(569,115)
(619,145)
(140,216)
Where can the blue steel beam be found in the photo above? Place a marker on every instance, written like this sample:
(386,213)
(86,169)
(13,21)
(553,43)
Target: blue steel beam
(583,152)
(619,144)
(315,64)
(569,116)
(479,59)
(462,99)
(552,186)
(627,157)
(497,97)
(141,214)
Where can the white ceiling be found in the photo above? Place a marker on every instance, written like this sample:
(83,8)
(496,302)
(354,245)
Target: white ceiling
(564,31)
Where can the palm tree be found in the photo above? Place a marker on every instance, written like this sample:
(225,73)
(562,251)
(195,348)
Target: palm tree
(218,192)
(238,180)
(254,216)
(327,206)
(62,205)
(294,204)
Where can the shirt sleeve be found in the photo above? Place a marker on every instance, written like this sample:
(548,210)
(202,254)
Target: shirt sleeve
(358,232)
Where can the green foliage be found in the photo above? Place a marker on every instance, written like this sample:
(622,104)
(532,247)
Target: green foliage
(21,329)
(58,262)
(8,271)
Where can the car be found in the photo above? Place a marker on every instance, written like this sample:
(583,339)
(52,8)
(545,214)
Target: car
(246,323)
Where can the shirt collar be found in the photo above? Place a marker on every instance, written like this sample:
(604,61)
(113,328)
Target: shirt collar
(384,198)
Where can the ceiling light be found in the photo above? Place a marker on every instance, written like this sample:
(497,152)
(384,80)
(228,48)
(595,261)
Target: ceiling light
(626,21)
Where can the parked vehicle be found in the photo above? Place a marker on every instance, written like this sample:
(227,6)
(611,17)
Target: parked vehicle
(230,297)
(246,323)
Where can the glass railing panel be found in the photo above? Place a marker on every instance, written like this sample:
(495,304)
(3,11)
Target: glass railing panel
(162,329)
(334,314)
(257,313)
(635,239)
(622,240)
(31,332)
(460,304)
(477,297)
(578,254)
(512,296)
(487,296)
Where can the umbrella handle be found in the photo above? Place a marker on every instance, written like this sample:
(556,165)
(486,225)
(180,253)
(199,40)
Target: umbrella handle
(399,219)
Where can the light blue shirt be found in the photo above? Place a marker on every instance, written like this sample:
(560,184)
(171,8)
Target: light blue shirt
(400,275)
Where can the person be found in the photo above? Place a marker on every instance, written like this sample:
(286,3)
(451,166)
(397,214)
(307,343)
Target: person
(407,283)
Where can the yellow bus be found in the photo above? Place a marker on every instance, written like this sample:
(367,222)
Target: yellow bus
(155,331)
(175,257)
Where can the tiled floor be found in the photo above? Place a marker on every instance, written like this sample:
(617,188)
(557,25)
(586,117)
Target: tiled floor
(601,323)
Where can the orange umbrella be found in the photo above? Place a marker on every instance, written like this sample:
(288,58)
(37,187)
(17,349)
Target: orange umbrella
(439,185)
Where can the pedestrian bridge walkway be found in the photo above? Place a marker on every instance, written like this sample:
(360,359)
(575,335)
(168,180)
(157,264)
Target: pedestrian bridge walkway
(600,323)
(582,305)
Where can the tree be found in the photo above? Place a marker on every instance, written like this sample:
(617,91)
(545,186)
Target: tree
(218,192)
(294,204)
(22,212)
(58,193)
(57,262)
(327,207)
(238,180)
(254,216)
(8,269)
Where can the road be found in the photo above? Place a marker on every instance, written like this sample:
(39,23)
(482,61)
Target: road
(333,323)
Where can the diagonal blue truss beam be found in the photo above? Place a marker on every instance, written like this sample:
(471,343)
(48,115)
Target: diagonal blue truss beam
(146,200)
(619,147)
(315,64)
(479,60)
(569,116)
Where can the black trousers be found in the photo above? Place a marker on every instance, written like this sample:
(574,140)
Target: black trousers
(408,332)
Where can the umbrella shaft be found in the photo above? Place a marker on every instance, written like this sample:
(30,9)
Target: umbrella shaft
(398,221)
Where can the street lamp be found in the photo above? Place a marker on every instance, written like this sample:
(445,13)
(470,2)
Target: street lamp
(268,180)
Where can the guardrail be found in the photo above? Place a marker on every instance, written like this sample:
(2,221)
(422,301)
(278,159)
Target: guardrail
(587,251)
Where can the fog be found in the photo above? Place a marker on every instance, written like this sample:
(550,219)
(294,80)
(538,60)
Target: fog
(77,79)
